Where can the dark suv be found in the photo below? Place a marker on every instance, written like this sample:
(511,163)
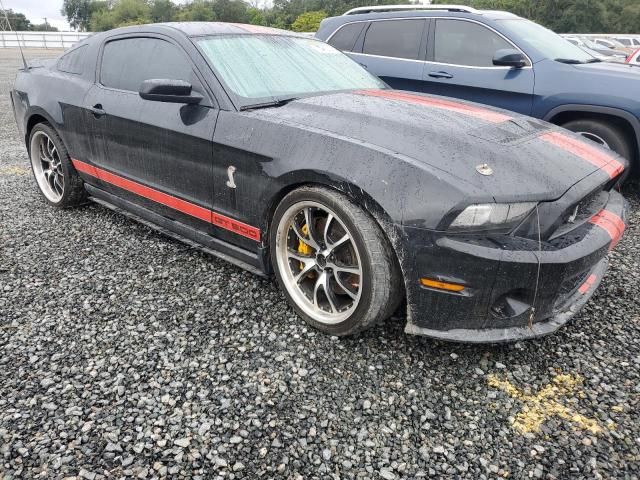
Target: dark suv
(495,58)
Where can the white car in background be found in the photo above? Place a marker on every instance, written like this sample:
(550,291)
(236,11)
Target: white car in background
(629,42)
(634,58)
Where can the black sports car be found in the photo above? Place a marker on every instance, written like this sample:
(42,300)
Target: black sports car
(282,155)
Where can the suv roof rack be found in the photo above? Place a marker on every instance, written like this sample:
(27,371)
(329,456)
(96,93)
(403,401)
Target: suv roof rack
(396,8)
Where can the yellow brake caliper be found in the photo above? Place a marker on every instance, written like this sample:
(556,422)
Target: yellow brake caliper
(304,248)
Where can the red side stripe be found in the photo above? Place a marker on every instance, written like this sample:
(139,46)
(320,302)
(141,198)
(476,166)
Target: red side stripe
(584,288)
(610,223)
(477,112)
(169,201)
(582,149)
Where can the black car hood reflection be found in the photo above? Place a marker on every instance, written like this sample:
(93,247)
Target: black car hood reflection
(447,140)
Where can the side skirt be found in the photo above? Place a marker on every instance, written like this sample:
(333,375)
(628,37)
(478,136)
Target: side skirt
(242,258)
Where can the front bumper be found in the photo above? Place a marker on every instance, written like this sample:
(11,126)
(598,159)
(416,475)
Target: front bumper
(513,288)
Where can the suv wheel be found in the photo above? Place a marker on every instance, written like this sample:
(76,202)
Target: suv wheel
(606,134)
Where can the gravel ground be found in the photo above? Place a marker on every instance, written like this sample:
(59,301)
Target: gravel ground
(126,354)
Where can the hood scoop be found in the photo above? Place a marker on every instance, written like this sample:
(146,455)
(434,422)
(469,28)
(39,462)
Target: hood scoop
(514,131)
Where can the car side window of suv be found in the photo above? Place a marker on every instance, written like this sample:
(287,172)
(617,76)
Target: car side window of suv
(345,37)
(126,63)
(459,42)
(394,38)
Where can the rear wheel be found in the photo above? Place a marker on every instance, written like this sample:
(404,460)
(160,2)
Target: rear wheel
(333,262)
(606,134)
(55,175)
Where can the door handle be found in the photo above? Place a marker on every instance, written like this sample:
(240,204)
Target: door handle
(364,66)
(97,110)
(440,75)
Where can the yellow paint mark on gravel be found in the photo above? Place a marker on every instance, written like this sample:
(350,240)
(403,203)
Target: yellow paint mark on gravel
(550,401)
(14,171)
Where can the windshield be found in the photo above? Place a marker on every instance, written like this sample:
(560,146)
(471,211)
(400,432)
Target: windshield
(550,44)
(263,68)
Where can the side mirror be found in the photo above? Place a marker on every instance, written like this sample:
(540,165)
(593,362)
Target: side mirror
(165,90)
(508,57)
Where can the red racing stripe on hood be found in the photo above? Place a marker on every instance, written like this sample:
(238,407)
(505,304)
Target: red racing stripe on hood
(470,110)
(610,223)
(170,201)
(582,149)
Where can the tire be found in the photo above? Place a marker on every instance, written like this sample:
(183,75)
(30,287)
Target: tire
(320,282)
(61,187)
(613,136)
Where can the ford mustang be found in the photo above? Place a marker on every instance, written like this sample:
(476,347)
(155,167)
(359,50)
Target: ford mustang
(279,153)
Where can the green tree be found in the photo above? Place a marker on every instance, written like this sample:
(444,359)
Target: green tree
(256,16)
(43,27)
(308,21)
(19,22)
(121,14)
(231,11)
(162,10)
(198,11)
(78,13)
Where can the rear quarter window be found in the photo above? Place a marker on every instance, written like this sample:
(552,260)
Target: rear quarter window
(345,37)
(73,61)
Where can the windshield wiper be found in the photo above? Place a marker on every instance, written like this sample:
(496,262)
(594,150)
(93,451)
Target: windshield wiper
(275,103)
(570,61)
(593,60)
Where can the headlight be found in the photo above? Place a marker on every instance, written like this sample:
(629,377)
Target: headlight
(501,217)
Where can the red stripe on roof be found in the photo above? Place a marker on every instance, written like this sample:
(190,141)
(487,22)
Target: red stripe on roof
(470,110)
(590,153)
(611,223)
(170,201)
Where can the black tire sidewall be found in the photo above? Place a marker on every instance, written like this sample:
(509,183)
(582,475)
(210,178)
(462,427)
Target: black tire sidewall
(613,135)
(325,197)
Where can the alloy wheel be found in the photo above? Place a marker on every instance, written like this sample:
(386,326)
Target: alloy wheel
(595,138)
(319,262)
(47,167)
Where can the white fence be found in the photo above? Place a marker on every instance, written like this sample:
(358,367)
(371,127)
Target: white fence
(41,39)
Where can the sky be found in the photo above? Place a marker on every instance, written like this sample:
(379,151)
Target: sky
(37,10)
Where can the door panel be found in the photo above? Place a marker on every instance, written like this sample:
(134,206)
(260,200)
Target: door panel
(507,88)
(460,64)
(163,151)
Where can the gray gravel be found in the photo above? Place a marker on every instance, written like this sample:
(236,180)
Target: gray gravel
(126,354)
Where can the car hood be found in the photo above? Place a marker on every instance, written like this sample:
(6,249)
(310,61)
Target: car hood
(509,157)
(611,70)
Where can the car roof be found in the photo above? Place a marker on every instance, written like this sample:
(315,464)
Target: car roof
(194,29)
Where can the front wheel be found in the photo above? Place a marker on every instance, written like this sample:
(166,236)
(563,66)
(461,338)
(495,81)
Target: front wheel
(333,262)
